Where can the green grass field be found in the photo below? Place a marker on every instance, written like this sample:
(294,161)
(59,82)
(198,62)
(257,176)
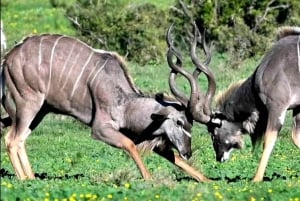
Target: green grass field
(69,165)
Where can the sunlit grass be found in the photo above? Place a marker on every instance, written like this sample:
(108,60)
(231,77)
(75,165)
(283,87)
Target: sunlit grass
(71,166)
(22,18)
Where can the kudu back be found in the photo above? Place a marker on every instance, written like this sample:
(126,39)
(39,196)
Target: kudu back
(56,73)
(259,104)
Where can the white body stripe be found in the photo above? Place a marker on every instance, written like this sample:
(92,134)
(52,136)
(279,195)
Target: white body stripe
(298,52)
(80,75)
(71,68)
(92,71)
(40,53)
(66,62)
(51,62)
(89,76)
(102,51)
(99,70)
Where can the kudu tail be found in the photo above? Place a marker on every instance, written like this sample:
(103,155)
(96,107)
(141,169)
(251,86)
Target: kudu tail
(4,121)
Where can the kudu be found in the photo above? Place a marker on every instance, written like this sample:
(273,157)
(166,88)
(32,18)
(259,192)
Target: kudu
(258,105)
(3,39)
(60,74)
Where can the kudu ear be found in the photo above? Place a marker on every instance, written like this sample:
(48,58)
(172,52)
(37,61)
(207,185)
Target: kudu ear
(216,118)
(218,115)
(250,123)
(215,121)
(161,115)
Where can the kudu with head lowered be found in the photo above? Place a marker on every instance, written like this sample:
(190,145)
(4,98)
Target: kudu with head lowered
(258,105)
(60,74)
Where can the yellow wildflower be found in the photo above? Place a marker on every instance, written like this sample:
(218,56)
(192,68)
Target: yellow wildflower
(88,195)
(127,185)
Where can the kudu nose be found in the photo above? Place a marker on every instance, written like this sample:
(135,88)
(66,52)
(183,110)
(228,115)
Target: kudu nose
(220,158)
(186,155)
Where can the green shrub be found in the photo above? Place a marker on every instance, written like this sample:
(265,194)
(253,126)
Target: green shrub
(62,3)
(242,28)
(136,31)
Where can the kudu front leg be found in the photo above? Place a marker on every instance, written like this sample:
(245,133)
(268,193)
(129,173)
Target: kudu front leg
(271,134)
(179,162)
(114,138)
(296,128)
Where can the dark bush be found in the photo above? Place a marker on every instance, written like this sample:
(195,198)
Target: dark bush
(242,28)
(136,31)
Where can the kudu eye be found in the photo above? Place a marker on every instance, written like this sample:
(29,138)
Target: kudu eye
(236,145)
(179,123)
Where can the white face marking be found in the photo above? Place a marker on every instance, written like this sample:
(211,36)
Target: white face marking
(187,133)
(216,121)
(226,155)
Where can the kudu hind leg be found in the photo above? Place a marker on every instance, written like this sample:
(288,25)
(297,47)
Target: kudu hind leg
(15,141)
(296,127)
(15,144)
(13,153)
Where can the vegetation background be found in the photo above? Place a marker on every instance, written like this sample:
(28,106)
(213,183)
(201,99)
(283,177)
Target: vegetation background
(70,165)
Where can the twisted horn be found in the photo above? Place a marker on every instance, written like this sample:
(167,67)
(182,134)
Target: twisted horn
(203,68)
(177,68)
(199,106)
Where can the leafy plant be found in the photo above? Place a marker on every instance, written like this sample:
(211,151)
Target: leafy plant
(136,31)
(241,28)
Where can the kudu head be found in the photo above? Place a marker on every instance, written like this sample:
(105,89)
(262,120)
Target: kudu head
(198,106)
(226,129)
(226,136)
(177,128)
(227,133)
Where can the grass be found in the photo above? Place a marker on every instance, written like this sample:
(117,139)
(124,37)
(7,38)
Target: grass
(69,165)
(22,18)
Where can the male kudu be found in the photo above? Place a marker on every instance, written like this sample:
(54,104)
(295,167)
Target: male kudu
(57,73)
(258,105)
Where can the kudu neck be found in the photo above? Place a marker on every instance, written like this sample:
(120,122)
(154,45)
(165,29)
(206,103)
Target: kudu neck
(241,103)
